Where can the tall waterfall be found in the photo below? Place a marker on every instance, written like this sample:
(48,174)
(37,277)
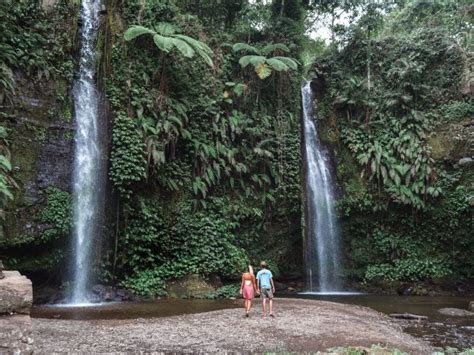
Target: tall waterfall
(87,182)
(322,245)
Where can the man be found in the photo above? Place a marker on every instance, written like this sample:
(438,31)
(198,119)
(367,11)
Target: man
(266,286)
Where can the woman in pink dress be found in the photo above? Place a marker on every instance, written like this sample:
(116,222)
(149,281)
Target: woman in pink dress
(248,288)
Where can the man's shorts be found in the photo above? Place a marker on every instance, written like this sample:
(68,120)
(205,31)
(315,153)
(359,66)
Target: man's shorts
(266,293)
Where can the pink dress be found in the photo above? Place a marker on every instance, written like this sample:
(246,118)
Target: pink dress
(247,291)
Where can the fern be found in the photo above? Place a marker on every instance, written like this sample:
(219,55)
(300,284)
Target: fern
(166,39)
(263,65)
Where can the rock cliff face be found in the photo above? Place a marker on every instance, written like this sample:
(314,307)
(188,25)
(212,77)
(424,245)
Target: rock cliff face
(42,145)
(40,126)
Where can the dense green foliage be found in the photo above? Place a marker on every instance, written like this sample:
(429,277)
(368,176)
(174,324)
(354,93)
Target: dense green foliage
(205,147)
(219,182)
(6,181)
(407,217)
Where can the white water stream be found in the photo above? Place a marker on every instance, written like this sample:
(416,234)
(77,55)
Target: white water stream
(322,238)
(87,182)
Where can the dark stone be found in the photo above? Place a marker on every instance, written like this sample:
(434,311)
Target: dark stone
(121,292)
(215,280)
(405,289)
(47,295)
(99,289)
(56,297)
(109,295)
(280,286)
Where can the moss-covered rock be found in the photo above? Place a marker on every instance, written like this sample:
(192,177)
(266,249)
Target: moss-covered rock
(191,286)
(453,141)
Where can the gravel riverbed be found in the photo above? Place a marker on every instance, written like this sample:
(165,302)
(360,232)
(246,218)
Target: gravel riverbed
(299,326)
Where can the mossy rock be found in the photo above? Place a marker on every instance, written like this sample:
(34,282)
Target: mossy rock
(191,286)
(452,141)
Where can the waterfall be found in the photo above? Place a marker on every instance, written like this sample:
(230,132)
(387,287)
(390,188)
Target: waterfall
(87,181)
(322,238)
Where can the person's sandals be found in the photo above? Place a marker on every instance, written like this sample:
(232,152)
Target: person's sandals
(271,315)
(246,315)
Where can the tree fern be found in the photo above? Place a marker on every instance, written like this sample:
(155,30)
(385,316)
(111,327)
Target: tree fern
(166,39)
(264,65)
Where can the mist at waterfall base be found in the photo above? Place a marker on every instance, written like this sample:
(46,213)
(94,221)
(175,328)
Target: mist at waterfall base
(87,175)
(322,258)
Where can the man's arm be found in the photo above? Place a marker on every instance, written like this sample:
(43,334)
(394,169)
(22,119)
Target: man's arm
(273,285)
(258,283)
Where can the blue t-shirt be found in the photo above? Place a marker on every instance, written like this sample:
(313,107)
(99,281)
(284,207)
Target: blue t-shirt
(263,277)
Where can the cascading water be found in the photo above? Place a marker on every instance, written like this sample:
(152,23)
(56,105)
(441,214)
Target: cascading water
(87,182)
(322,244)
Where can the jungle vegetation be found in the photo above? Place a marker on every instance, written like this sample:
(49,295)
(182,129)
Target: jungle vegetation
(205,163)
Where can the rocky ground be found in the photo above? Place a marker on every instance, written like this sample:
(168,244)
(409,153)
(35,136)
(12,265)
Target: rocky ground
(299,325)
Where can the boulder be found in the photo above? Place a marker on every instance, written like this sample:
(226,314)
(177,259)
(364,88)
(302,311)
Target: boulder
(16,293)
(191,286)
(405,289)
(123,294)
(48,4)
(16,298)
(456,312)
(99,289)
(452,142)
(280,286)
(465,161)
(109,295)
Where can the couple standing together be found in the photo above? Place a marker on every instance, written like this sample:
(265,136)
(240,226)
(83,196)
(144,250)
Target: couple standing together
(262,285)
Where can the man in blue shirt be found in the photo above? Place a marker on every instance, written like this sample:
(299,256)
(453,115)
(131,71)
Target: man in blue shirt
(266,286)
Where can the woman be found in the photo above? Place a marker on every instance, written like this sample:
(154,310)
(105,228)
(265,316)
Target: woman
(248,287)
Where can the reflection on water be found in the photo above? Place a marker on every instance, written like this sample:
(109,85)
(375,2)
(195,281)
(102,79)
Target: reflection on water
(439,330)
(130,310)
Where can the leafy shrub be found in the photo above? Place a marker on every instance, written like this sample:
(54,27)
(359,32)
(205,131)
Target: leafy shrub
(127,156)
(158,249)
(457,110)
(146,283)
(227,291)
(57,214)
(410,270)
